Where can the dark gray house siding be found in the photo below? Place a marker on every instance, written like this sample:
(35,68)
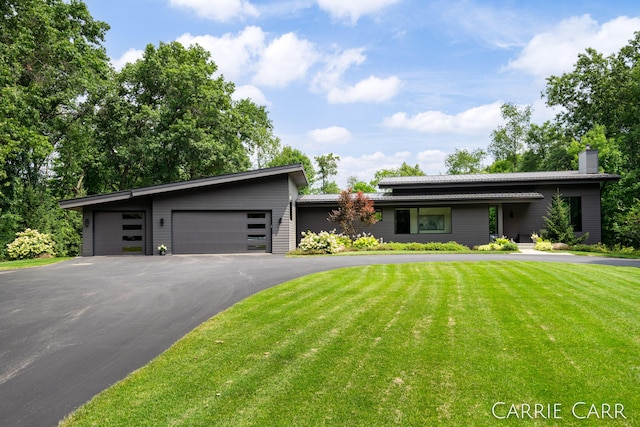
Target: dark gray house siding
(263,207)
(267,194)
(522,219)
(90,227)
(469,224)
(521,200)
(256,204)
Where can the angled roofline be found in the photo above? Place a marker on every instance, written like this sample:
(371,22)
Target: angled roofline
(296,171)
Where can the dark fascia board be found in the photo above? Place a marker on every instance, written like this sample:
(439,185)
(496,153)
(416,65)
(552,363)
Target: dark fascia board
(497,179)
(296,172)
(389,198)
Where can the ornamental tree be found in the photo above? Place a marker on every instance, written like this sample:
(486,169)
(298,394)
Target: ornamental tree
(354,211)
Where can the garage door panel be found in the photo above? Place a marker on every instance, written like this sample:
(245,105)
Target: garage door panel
(199,232)
(119,233)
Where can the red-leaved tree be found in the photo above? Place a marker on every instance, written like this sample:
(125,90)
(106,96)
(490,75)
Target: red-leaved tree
(354,211)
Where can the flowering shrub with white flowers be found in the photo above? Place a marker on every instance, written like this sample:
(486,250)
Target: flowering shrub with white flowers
(323,242)
(31,244)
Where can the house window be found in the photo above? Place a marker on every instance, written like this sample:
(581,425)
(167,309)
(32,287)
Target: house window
(403,221)
(575,211)
(493,221)
(423,221)
(378,214)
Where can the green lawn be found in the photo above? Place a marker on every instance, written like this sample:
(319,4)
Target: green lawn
(412,344)
(28,263)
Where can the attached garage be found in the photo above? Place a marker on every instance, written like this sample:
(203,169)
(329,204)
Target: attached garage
(246,212)
(119,233)
(215,232)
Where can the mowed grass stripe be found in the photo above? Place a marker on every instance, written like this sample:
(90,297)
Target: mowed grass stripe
(412,344)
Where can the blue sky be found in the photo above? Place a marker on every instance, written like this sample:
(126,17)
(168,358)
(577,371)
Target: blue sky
(379,82)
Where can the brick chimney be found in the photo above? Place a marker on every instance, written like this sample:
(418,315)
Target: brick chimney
(588,161)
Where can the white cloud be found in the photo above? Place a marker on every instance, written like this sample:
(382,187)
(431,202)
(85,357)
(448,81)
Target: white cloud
(286,59)
(234,55)
(432,161)
(372,89)
(132,55)
(556,50)
(477,120)
(336,65)
(218,10)
(501,27)
(353,9)
(331,135)
(251,92)
(365,166)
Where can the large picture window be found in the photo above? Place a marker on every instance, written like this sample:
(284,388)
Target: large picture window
(423,221)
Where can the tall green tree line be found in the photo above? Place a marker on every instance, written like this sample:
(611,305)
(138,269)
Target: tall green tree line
(71,125)
(600,108)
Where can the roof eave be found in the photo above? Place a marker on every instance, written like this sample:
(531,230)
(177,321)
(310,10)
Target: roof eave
(296,172)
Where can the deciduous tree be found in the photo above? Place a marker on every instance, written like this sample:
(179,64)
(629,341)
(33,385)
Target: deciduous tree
(354,211)
(289,156)
(464,161)
(51,58)
(507,141)
(167,119)
(327,167)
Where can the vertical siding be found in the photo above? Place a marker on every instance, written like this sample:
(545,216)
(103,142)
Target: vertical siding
(266,194)
(521,219)
(87,232)
(470,224)
(292,215)
(133,205)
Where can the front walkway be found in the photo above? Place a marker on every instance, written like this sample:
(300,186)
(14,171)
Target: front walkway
(527,249)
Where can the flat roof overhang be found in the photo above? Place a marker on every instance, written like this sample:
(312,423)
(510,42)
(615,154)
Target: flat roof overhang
(390,199)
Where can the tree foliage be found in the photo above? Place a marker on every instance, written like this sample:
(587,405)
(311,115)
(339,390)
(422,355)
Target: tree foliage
(290,156)
(165,119)
(51,59)
(354,211)
(463,161)
(403,170)
(356,185)
(507,141)
(600,100)
(70,125)
(558,223)
(327,167)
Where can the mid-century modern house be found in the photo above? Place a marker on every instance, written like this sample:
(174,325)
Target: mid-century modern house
(261,211)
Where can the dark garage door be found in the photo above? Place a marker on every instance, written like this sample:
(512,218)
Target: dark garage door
(118,233)
(218,232)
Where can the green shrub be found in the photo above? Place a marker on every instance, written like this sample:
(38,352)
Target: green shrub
(543,245)
(30,244)
(499,244)
(445,247)
(601,248)
(597,248)
(323,242)
(489,247)
(366,242)
(414,246)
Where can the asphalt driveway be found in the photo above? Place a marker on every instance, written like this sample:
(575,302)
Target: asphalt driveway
(70,330)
